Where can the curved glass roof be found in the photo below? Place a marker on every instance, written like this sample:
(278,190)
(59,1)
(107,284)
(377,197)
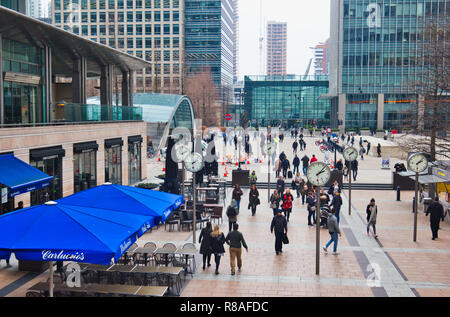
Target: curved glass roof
(155,107)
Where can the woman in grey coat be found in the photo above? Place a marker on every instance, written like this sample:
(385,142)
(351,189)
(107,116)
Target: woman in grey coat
(372,212)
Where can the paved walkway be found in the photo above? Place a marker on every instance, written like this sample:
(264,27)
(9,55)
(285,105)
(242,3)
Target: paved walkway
(402,267)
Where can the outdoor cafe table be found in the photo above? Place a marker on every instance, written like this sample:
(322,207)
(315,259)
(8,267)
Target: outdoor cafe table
(166,253)
(185,253)
(145,252)
(211,206)
(156,291)
(162,270)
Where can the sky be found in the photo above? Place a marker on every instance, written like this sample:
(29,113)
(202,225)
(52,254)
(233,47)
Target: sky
(308,23)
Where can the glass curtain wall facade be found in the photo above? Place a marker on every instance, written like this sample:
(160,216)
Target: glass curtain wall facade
(51,166)
(380,48)
(149,29)
(134,161)
(85,170)
(23,102)
(113,164)
(292,99)
(209,38)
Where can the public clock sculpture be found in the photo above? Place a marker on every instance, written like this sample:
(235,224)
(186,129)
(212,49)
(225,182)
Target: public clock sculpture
(182,151)
(318,173)
(268,149)
(417,162)
(350,154)
(193,162)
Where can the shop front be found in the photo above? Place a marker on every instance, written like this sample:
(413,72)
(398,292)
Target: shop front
(134,159)
(84,165)
(49,161)
(113,161)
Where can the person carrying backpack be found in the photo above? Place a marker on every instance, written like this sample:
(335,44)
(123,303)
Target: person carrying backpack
(275,199)
(232,213)
(372,212)
(334,231)
(279,223)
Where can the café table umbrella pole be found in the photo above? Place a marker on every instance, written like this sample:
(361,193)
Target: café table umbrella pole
(50,280)
(194,217)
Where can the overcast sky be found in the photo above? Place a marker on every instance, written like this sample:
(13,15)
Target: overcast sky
(308,23)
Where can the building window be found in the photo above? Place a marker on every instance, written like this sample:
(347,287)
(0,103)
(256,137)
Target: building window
(120,4)
(176,16)
(84,17)
(138,4)
(120,42)
(120,17)
(102,29)
(129,4)
(176,29)
(148,16)
(49,161)
(176,3)
(111,4)
(129,29)
(111,17)
(129,16)
(130,43)
(167,56)
(84,30)
(157,4)
(138,16)
(120,29)
(176,55)
(139,29)
(148,58)
(112,43)
(167,42)
(166,69)
(84,4)
(166,29)
(101,4)
(93,5)
(57,17)
(157,16)
(148,3)
(139,43)
(175,42)
(166,4)
(102,17)
(166,16)
(85,168)
(157,42)
(93,30)
(134,158)
(113,164)
(148,29)
(157,29)
(93,17)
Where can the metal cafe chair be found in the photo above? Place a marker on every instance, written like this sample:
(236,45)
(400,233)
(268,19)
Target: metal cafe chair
(190,257)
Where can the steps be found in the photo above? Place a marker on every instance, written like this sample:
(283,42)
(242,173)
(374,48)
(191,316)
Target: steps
(354,186)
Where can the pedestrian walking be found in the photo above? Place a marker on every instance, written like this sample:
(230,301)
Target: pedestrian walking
(280,185)
(313,159)
(286,166)
(287,203)
(279,225)
(236,195)
(372,212)
(334,188)
(305,161)
(336,202)
(368,148)
(334,231)
(379,150)
(436,211)
(205,244)
(339,165)
(348,139)
(277,167)
(232,213)
(311,206)
(303,190)
(275,199)
(361,152)
(235,139)
(295,164)
(253,178)
(217,242)
(236,241)
(354,165)
(295,146)
(253,199)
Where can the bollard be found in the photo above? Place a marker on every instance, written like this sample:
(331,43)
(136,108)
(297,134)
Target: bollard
(414,205)
(398,193)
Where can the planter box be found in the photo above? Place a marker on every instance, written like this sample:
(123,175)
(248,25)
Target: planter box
(365,132)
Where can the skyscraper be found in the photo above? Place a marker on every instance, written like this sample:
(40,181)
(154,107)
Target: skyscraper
(236,41)
(375,51)
(209,39)
(149,29)
(276,48)
(321,60)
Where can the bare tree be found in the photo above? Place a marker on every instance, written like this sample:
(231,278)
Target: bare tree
(430,121)
(201,89)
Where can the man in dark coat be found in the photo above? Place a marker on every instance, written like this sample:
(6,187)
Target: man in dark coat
(280,186)
(285,166)
(296,164)
(437,213)
(305,161)
(354,165)
(279,223)
(295,146)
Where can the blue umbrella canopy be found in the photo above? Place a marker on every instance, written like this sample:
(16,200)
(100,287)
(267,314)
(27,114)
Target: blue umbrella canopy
(127,199)
(55,232)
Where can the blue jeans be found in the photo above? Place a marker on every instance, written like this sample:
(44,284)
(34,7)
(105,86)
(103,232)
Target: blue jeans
(305,169)
(338,211)
(238,203)
(334,238)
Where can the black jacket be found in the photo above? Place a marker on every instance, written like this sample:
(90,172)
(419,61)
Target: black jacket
(253,197)
(285,164)
(437,212)
(354,165)
(336,202)
(235,239)
(217,244)
(296,161)
(305,161)
(279,223)
(205,240)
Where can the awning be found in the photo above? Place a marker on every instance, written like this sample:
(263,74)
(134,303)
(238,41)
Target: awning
(430,179)
(21,177)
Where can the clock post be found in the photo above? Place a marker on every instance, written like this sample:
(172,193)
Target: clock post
(318,231)
(350,189)
(268,179)
(194,217)
(415,206)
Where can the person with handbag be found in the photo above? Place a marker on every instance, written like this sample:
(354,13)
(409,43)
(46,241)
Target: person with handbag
(217,242)
(232,213)
(236,195)
(303,190)
(279,223)
(311,205)
(275,199)
(253,199)
(287,203)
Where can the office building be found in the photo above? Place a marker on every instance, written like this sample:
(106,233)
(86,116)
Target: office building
(148,29)
(236,41)
(321,59)
(209,39)
(374,59)
(288,100)
(44,119)
(276,48)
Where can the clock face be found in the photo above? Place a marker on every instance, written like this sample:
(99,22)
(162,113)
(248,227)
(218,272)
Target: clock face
(193,162)
(318,173)
(417,163)
(350,154)
(182,151)
(269,148)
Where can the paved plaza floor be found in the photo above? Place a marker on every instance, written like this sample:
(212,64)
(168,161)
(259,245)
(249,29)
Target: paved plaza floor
(370,170)
(404,268)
